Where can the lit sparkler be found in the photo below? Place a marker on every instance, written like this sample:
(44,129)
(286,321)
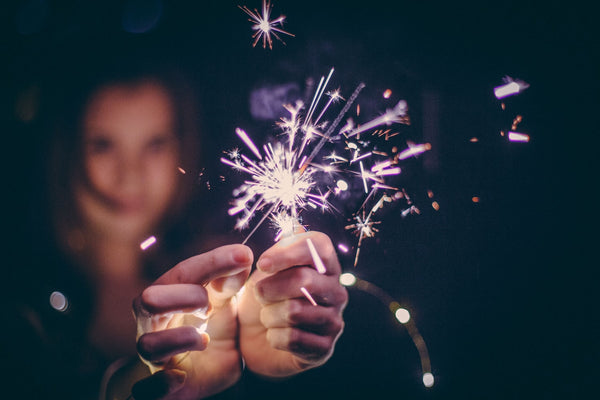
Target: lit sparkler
(264,26)
(282,177)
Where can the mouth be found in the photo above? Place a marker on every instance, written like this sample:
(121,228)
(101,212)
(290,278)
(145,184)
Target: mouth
(127,205)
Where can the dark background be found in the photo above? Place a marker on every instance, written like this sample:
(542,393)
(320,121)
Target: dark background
(501,290)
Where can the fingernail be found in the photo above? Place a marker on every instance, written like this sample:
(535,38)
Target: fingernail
(242,254)
(264,263)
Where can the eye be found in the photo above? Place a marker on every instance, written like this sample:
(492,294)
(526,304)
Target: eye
(99,145)
(159,143)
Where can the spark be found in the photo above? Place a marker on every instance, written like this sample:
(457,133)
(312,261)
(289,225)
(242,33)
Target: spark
(148,242)
(343,248)
(264,26)
(335,158)
(363,227)
(246,139)
(410,210)
(234,153)
(398,114)
(319,266)
(518,137)
(413,150)
(307,294)
(510,87)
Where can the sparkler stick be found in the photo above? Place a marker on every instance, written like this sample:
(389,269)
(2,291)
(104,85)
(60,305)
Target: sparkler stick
(336,122)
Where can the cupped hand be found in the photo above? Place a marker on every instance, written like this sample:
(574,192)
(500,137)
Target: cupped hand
(281,331)
(213,363)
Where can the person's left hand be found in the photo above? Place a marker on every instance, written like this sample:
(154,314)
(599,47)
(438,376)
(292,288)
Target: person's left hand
(213,362)
(281,332)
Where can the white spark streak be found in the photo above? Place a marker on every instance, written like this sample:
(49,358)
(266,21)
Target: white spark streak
(315,256)
(510,88)
(518,137)
(391,171)
(148,242)
(413,150)
(246,139)
(397,114)
(307,294)
(343,248)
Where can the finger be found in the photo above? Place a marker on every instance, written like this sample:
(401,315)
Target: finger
(305,345)
(224,288)
(296,250)
(159,346)
(158,385)
(223,261)
(178,297)
(325,290)
(303,315)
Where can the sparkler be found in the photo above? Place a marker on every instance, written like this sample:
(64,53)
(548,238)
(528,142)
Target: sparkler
(264,26)
(284,175)
(283,178)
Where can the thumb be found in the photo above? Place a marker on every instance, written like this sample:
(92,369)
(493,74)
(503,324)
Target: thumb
(222,289)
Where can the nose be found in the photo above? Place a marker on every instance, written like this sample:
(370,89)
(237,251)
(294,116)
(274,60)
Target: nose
(130,173)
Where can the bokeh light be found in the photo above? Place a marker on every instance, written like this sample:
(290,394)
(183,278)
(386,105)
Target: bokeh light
(347,279)
(428,379)
(402,315)
(59,301)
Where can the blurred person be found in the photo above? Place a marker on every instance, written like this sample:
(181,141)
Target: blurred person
(121,160)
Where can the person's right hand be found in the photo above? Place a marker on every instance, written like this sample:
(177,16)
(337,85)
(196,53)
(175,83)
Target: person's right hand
(214,362)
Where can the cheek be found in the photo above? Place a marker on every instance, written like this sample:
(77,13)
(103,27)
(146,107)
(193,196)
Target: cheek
(162,179)
(100,172)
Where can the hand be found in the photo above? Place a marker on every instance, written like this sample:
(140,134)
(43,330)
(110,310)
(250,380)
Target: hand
(213,362)
(281,332)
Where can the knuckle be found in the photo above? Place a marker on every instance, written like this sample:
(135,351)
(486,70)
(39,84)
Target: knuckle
(294,312)
(149,297)
(337,325)
(180,274)
(294,340)
(145,347)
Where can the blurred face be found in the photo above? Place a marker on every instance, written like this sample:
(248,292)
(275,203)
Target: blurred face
(130,157)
